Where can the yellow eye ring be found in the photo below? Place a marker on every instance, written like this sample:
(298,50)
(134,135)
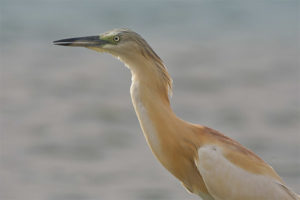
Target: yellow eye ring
(116,38)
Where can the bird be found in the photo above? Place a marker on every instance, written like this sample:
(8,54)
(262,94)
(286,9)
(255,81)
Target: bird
(206,162)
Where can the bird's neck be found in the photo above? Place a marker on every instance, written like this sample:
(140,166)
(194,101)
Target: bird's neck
(165,133)
(151,75)
(149,93)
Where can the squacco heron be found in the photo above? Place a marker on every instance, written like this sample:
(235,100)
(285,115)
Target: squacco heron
(207,163)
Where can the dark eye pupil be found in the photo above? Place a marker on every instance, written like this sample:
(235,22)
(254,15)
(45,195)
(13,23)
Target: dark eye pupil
(116,38)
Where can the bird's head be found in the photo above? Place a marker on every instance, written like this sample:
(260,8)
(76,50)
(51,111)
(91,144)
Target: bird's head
(118,42)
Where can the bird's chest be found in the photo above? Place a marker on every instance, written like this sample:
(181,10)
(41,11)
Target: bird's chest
(146,123)
(153,124)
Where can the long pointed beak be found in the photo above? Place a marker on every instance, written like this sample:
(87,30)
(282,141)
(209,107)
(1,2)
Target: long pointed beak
(89,41)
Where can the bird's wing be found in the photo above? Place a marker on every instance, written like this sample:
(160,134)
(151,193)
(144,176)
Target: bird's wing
(226,179)
(232,172)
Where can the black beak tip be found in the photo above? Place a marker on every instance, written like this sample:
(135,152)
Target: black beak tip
(62,42)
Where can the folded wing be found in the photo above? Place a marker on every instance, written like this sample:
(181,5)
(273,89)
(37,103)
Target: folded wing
(228,174)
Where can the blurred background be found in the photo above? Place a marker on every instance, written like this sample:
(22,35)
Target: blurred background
(68,128)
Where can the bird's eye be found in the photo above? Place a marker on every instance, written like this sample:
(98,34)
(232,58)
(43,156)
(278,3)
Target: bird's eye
(116,38)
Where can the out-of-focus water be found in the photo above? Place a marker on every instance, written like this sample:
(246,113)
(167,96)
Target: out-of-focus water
(68,129)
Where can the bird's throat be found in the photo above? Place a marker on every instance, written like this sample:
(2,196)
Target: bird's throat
(162,128)
(152,110)
(150,97)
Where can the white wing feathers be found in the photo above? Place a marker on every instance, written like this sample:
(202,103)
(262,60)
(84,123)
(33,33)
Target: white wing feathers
(226,181)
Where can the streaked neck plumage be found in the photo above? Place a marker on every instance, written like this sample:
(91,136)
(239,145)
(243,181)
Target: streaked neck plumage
(150,97)
(163,130)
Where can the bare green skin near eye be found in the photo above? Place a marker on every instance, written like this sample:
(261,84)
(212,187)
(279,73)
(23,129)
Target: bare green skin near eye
(112,39)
